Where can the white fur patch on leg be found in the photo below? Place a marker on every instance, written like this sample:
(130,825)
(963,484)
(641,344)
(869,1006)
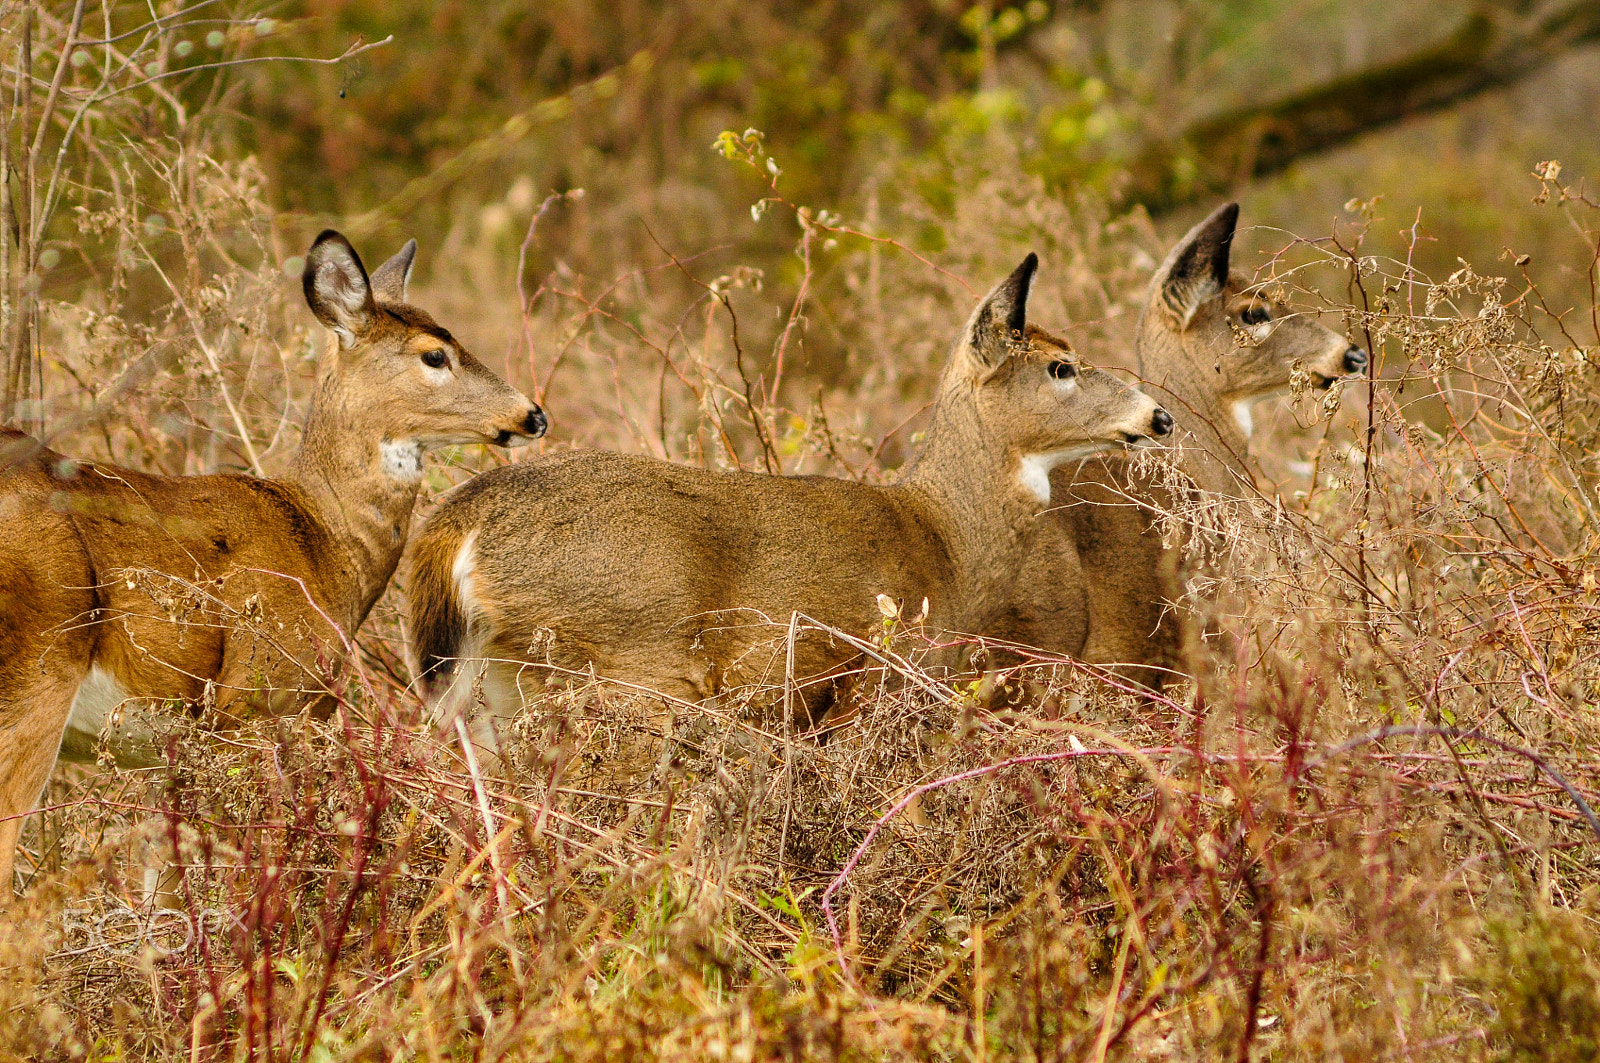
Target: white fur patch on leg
(98,697)
(502,704)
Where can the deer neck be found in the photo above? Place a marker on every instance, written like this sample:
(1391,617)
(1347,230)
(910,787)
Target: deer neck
(974,489)
(361,486)
(1182,373)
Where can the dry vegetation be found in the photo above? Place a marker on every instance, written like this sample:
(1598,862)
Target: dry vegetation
(1366,831)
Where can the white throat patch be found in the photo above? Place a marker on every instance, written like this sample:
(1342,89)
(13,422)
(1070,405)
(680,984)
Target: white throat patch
(402,459)
(1243,417)
(1034,471)
(1243,410)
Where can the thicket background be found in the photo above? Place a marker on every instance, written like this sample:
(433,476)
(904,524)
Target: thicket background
(1362,833)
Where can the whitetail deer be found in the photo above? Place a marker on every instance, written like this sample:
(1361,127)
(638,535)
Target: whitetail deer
(216,594)
(684,580)
(1209,346)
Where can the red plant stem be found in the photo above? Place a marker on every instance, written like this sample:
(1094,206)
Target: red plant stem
(1263,904)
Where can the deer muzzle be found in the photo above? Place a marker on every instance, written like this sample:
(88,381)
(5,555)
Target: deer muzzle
(1156,429)
(1159,427)
(533,426)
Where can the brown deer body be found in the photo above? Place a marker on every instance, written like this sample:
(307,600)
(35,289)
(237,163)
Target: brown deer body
(1208,346)
(224,594)
(684,580)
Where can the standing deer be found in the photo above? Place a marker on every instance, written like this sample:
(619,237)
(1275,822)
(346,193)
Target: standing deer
(1211,347)
(219,593)
(682,580)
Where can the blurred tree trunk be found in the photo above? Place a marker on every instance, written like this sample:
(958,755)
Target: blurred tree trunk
(1496,44)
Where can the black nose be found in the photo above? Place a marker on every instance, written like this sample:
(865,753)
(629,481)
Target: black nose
(1355,360)
(536,423)
(1160,423)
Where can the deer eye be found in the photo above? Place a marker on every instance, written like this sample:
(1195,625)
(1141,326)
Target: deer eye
(435,359)
(1255,314)
(1062,370)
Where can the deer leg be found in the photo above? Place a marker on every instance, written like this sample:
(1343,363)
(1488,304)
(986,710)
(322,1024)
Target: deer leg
(31,722)
(9,829)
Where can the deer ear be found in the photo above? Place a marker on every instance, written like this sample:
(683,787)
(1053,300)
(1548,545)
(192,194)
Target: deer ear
(1001,318)
(390,279)
(337,289)
(1196,270)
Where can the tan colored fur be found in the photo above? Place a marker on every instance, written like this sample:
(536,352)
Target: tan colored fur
(1200,355)
(683,580)
(221,593)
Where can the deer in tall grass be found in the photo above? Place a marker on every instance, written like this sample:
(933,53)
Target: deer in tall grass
(685,580)
(1209,346)
(217,595)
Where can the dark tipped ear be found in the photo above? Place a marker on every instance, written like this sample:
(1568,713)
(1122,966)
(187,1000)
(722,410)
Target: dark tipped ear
(1001,317)
(1196,270)
(390,279)
(337,288)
